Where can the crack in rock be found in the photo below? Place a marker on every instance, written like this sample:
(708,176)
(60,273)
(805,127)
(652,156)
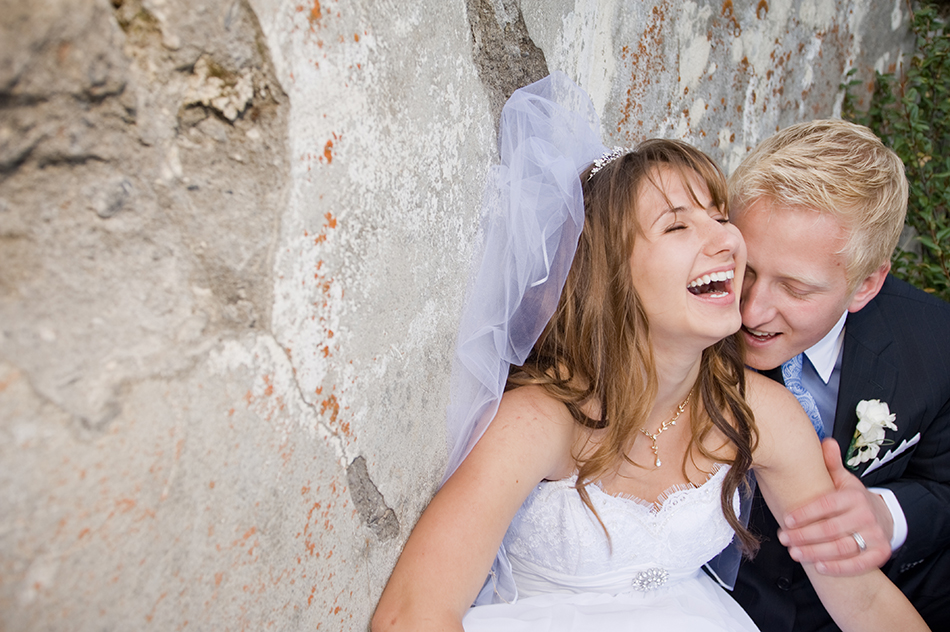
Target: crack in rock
(369,502)
(505,55)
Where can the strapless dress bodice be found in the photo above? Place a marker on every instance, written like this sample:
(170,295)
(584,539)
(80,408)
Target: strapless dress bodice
(570,577)
(555,543)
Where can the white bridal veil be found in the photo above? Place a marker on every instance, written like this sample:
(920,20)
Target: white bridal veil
(533,211)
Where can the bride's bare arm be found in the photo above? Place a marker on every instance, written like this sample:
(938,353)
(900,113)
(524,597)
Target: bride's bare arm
(790,471)
(450,551)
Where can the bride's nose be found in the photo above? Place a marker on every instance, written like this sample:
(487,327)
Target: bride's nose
(721,238)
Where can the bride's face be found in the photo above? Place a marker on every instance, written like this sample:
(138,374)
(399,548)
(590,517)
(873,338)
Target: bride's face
(687,261)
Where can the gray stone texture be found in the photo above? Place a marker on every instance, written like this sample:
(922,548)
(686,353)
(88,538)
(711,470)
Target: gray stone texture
(235,237)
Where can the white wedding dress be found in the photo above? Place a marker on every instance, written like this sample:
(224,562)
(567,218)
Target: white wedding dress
(648,576)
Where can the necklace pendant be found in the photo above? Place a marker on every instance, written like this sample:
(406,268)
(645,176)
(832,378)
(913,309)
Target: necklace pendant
(663,427)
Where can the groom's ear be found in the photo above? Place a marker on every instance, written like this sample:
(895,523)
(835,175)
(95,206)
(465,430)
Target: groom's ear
(869,287)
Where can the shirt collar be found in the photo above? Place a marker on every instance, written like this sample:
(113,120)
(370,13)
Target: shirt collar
(824,354)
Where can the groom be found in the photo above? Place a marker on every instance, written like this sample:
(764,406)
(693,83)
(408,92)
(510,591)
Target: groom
(821,206)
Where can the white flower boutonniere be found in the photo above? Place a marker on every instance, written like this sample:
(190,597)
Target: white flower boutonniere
(873,417)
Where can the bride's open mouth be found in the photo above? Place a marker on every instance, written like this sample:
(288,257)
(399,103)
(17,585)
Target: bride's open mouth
(714,285)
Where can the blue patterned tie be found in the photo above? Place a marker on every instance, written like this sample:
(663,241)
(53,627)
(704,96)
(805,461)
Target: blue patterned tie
(792,376)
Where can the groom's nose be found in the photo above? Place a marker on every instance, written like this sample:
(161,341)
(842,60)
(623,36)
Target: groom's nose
(756,304)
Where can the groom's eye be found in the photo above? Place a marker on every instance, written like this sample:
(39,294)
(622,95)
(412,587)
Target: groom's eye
(795,292)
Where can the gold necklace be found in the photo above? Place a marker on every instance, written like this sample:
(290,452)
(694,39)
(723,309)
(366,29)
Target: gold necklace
(664,426)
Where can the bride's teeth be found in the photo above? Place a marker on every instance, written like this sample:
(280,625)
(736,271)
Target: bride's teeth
(715,276)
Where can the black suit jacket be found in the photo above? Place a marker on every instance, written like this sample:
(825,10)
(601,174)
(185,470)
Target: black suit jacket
(897,350)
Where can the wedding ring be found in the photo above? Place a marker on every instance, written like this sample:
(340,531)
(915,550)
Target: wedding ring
(862,545)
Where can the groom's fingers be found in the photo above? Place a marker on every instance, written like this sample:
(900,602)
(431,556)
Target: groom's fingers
(827,538)
(822,531)
(830,518)
(842,556)
(847,568)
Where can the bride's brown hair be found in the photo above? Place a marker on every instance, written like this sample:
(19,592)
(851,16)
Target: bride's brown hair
(596,348)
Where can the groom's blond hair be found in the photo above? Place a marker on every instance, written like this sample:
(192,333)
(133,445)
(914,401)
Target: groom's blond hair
(835,167)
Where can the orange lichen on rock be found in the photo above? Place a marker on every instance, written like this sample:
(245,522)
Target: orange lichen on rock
(645,63)
(332,405)
(269,390)
(322,237)
(327,155)
(729,13)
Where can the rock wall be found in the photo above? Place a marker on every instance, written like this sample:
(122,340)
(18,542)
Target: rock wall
(235,237)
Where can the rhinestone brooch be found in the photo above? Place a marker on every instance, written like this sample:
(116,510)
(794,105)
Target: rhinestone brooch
(650,579)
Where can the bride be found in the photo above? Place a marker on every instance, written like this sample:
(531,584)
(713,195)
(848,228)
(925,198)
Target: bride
(612,466)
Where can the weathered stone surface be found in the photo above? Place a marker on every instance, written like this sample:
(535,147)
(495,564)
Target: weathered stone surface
(504,53)
(235,237)
(135,232)
(722,75)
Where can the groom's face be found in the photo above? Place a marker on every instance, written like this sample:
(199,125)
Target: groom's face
(795,288)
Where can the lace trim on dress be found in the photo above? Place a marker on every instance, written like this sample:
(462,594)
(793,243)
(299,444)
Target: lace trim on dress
(661,501)
(553,529)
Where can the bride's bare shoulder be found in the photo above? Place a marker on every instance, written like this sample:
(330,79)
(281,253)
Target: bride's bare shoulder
(534,403)
(541,424)
(763,393)
(778,416)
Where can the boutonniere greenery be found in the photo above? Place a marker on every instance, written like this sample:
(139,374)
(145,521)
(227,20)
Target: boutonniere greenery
(873,417)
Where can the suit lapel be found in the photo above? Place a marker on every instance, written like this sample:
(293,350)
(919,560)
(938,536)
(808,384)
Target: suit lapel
(866,370)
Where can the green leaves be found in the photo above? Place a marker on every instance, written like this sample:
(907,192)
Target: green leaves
(911,115)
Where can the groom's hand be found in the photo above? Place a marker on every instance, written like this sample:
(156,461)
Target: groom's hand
(821,531)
